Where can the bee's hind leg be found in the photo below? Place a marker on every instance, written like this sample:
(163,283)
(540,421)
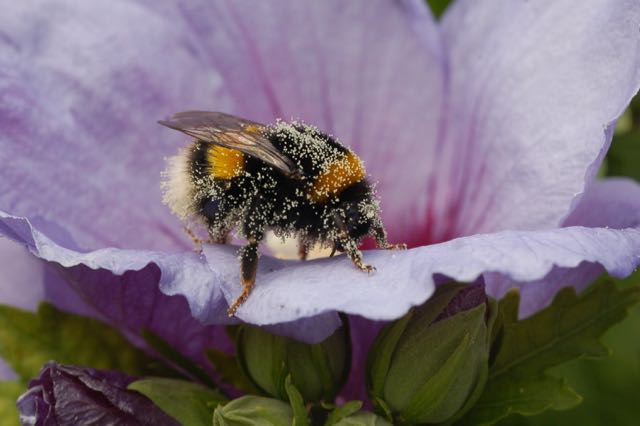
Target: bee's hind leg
(248,267)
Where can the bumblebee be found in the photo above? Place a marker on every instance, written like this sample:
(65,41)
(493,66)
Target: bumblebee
(287,177)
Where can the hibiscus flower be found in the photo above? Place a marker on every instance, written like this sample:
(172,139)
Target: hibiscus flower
(484,132)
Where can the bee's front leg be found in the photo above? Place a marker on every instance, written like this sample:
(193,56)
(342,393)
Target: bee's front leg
(197,241)
(381,240)
(351,248)
(248,266)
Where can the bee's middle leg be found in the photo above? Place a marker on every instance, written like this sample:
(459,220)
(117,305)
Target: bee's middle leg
(197,241)
(253,229)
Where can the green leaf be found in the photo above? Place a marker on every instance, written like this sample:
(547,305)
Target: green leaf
(343,411)
(623,157)
(609,387)
(230,372)
(189,403)
(28,340)
(297,403)
(438,6)
(527,397)
(253,410)
(172,355)
(9,393)
(568,329)
(508,307)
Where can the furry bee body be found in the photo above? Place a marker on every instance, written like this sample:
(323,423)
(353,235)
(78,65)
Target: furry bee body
(287,177)
(259,197)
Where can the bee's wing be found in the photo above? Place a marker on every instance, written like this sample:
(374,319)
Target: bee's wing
(232,132)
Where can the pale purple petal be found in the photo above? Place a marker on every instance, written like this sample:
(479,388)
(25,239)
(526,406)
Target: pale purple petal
(100,179)
(290,290)
(534,90)
(537,294)
(132,289)
(122,287)
(287,290)
(82,86)
(131,300)
(21,276)
(612,203)
(79,101)
(25,281)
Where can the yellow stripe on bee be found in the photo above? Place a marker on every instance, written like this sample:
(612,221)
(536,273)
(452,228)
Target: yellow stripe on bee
(339,175)
(224,163)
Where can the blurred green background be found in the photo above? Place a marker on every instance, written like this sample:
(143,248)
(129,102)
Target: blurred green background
(611,388)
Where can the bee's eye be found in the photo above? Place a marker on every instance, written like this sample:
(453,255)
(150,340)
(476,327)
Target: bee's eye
(353,213)
(358,225)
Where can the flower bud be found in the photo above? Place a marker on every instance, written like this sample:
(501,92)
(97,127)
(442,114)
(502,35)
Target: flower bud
(66,394)
(431,365)
(249,410)
(318,371)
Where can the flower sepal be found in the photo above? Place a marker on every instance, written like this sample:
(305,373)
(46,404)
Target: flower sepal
(252,409)
(431,365)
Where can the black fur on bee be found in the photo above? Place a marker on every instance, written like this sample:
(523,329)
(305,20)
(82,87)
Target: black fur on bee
(289,178)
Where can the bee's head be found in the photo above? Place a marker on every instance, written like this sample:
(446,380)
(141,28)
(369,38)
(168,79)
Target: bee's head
(358,211)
